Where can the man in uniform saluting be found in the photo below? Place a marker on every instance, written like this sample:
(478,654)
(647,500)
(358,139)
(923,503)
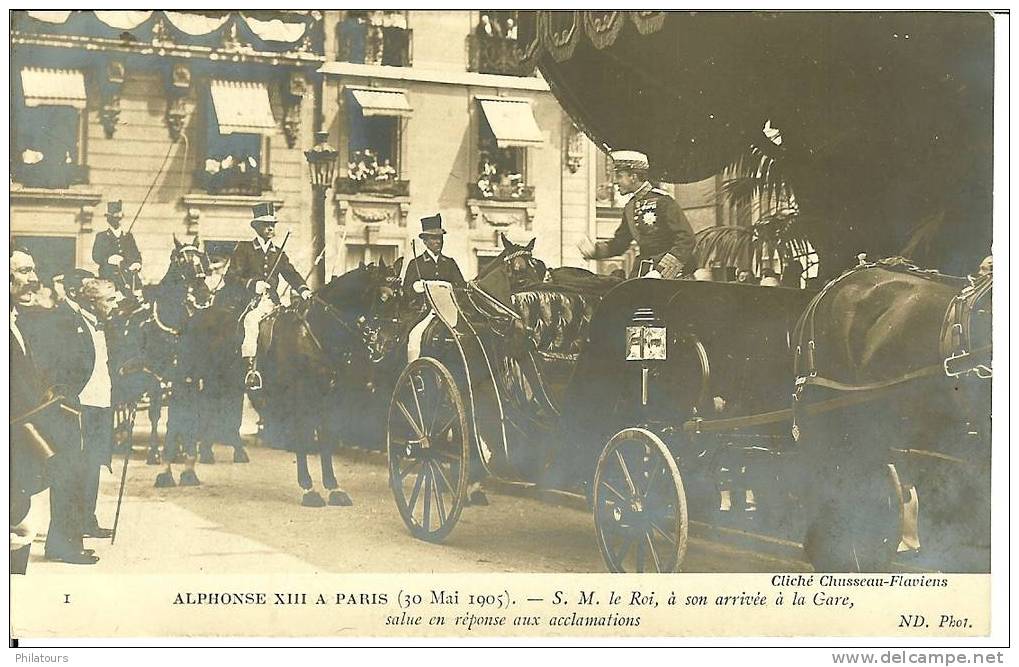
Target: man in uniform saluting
(116,252)
(651,217)
(256,267)
(429,265)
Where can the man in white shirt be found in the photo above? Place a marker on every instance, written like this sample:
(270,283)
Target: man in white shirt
(96,302)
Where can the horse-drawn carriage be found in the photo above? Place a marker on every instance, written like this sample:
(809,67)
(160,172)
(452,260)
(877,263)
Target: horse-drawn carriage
(782,409)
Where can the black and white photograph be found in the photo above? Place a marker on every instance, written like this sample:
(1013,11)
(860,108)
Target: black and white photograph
(505,323)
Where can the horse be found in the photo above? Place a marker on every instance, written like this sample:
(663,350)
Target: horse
(315,356)
(916,346)
(208,388)
(143,335)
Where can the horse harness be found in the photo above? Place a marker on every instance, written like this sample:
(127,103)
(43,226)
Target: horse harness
(954,348)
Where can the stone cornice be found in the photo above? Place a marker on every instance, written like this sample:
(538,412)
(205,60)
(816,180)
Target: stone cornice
(419,75)
(167,49)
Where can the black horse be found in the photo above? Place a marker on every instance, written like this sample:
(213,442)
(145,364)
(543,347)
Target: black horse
(318,361)
(208,388)
(920,343)
(143,336)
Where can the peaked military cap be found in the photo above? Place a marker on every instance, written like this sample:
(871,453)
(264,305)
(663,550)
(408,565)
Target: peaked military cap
(629,160)
(115,209)
(432,226)
(263,213)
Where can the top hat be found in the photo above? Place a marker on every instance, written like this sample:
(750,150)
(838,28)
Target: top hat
(432,226)
(634,160)
(263,213)
(115,209)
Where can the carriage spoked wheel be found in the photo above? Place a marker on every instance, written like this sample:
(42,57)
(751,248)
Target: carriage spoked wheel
(429,449)
(640,508)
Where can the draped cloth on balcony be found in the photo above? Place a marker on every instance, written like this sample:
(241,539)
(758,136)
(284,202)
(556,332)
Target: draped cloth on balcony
(885,118)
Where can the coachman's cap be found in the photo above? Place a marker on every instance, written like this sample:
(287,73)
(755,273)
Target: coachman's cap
(634,160)
(263,213)
(432,226)
(115,209)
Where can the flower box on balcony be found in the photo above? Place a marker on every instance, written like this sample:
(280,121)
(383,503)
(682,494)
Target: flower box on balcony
(500,192)
(381,188)
(233,182)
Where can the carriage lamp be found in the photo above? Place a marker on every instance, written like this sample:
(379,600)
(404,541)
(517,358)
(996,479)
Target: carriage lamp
(645,342)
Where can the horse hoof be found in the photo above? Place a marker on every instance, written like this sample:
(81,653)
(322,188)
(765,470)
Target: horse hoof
(164,480)
(313,499)
(477,498)
(189,478)
(153,459)
(241,455)
(340,499)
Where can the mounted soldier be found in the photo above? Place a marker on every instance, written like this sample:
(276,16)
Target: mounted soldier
(429,265)
(116,252)
(256,267)
(651,217)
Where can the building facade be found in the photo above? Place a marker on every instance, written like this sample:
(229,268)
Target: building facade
(188,118)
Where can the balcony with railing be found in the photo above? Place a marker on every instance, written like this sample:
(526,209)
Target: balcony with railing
(367,43)
(49,174)
(496,55)
(374,187)
(502,192)
(233,182)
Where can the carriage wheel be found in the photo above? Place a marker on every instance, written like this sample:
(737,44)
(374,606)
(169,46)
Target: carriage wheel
(429,449)
(640,509)
(860,530)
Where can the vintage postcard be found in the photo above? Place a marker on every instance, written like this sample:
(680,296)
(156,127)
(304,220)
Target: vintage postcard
(536,325)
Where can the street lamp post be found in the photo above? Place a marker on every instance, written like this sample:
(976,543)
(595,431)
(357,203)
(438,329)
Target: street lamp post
(321,168)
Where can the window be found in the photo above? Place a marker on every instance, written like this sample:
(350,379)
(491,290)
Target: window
(374,128)
(507,130)
(357,253)
(494,47)
(376,37)
(237,118)
(49,128)
(52,254)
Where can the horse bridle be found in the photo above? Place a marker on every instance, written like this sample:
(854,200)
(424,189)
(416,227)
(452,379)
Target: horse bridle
(960,358)
(361,328)
(187,255)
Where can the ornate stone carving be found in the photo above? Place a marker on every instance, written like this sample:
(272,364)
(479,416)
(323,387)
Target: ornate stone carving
(574,149)
(499,214)
(372,215)
(109,115)
(191,219)
(231,41)
(176,116)
(294,89)
(160,35)
(352,210)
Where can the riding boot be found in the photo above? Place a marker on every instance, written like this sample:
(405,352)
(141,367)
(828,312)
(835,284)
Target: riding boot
(252,378)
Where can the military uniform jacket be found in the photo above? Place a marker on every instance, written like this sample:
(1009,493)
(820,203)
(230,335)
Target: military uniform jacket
(423,267)
(657,223)
(249,264)
(106,245)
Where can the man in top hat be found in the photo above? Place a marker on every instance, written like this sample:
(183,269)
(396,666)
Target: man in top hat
(256,267)
(116,252)
(429,265)
(651,217)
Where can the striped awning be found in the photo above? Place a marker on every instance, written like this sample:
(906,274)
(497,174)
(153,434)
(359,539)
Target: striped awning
(53,87)
(512,122)
(242,106)
(382,102)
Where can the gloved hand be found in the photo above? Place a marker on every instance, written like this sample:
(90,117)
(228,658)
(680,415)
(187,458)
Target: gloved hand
(669,266)
(653,273)
(587,248)
(418,286)
(115,260)
(135,267)
(305,294)
(261,287)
